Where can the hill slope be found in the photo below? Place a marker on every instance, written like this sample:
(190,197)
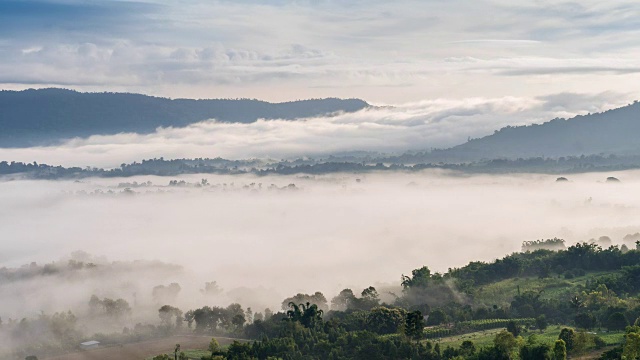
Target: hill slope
(611,132)
(33,117)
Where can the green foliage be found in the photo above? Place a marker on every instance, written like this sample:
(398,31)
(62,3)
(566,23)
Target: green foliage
(414,325)
(567,335)
(471,326)
(214,347)
(316,298)
(307,314)
(631,348)
(585,320)
(420,278)
(437,317)
(383,320)
(541,322)
(560,350)
(536,352)
(513,328)
(617,321)
(506,344)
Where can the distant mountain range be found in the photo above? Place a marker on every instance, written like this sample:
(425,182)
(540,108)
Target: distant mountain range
(45,116)
(611,132)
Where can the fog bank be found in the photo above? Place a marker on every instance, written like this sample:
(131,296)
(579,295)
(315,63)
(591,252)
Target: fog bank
(434,123)
(328,233)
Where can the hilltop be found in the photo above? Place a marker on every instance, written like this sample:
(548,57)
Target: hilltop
(45,116)
(609,132)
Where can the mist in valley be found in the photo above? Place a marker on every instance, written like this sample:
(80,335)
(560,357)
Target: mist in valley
(262,240)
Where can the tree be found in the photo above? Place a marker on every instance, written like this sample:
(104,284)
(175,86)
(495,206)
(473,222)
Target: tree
(541,322)
(214,347)
(267,314)
(631,349)
(585,320)
(467,348)
(307,314)
(582,342)
(568,336)
(249,315)
(383,320)
(420,278)
(559,350)
(238,320)
(317,298)
(370,298)
(617,321)
(166,294)
(513,328)
(170,315)
(506,344)
(211,289)
(343,301)
(188,317)
(414,325)
(437,317)
(535,352)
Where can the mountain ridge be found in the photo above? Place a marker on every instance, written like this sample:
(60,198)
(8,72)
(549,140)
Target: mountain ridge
(46,116)
(611,132)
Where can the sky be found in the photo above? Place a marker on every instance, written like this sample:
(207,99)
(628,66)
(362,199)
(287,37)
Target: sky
(277,50)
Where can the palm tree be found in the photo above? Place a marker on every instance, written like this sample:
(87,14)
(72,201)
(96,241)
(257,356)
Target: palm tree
(307,314)
(294,314)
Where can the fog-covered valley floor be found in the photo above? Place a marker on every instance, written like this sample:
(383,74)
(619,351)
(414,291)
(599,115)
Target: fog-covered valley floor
(262,239)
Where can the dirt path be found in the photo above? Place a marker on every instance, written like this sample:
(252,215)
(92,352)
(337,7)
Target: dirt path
(144,349)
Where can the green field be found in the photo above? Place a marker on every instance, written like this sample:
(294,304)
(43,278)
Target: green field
(549,336)
(191,354)
(554,288)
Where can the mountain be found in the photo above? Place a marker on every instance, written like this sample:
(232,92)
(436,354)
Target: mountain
(610,132)
(35,117)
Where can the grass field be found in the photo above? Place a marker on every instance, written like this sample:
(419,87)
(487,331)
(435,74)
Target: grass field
(554,288)
(191,354)
(549,336)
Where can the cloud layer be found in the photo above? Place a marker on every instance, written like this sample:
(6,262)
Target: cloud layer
(281,50)
(413,126)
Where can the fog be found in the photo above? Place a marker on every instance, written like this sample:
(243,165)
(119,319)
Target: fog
(434,123)
(263,243)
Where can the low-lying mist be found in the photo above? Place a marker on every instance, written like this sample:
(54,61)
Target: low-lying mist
(263,240)
(439,123)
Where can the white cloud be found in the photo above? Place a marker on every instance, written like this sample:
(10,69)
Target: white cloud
(282,49)
(417,126)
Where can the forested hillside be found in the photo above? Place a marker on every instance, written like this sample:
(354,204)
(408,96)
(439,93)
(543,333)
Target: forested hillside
(33,117)
(610,132)
(532,305)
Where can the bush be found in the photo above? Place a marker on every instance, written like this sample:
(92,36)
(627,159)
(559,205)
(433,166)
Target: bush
(599,342)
